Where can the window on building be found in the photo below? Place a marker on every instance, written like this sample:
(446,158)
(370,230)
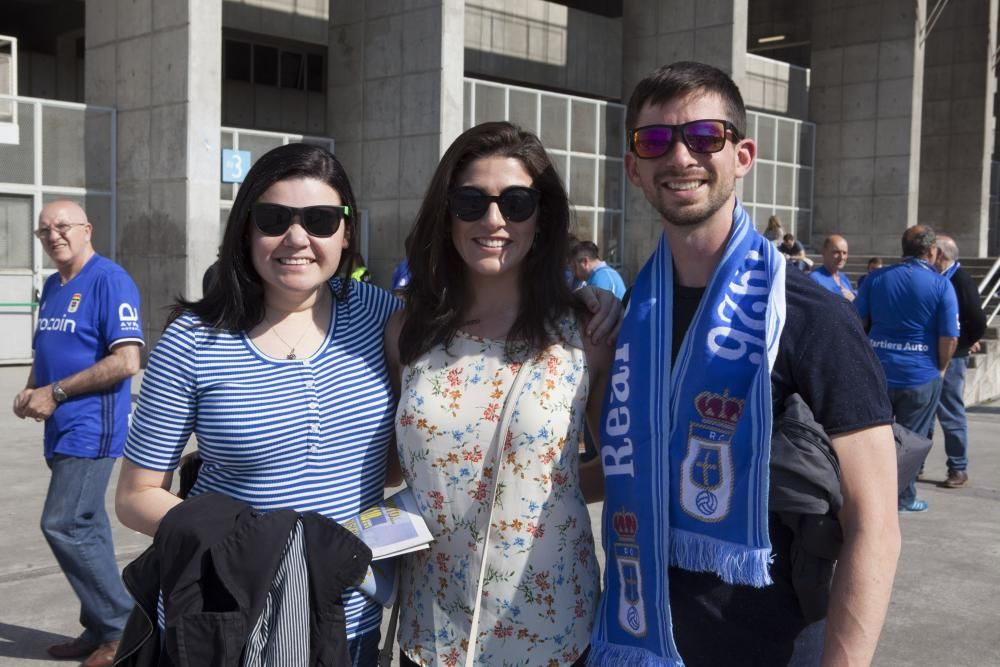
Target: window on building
(270,84)
(237,61)
(293,71)
(584,138)
(265,65)
(315,81)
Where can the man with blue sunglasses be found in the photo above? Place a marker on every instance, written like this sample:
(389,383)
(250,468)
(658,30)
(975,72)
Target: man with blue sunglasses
(703,567)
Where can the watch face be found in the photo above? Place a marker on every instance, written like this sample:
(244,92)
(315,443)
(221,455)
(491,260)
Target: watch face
(58,394)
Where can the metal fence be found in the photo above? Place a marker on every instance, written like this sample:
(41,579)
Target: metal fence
(62,151)
(781,181)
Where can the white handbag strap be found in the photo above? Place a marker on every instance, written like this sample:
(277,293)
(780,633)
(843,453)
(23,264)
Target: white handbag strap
(496,448)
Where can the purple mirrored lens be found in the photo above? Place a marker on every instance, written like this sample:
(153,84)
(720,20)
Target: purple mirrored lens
(653,141)
(705,136)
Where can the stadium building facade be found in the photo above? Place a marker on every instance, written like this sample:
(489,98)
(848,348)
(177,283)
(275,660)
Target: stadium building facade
(870,115)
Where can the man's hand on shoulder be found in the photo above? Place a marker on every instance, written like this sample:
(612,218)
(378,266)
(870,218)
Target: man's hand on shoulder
(606,317)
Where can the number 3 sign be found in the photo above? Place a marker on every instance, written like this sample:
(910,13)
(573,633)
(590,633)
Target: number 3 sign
(235,165)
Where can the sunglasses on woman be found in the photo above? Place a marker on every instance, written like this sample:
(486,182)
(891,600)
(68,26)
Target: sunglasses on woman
(700,136)
(320,221)
(516,203)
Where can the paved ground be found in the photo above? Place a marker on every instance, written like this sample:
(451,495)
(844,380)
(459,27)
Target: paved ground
(945,608)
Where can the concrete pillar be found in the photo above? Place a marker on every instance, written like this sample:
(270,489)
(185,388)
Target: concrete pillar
(957,135)
(394,104)
(659,32)
(865,98)
(159,64)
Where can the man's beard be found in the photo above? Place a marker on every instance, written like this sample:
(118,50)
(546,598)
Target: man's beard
(690,216)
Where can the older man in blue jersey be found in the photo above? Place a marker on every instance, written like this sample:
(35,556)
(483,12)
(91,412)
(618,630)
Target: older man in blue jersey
(86,350)
(830,275)
(911,314)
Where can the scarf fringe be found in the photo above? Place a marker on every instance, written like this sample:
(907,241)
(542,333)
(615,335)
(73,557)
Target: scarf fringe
(604,654)
(734,563)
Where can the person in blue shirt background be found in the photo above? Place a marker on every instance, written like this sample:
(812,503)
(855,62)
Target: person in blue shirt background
(874,264)
(911,313)
(588,267)
(829,275)
(401,276)
(86,351)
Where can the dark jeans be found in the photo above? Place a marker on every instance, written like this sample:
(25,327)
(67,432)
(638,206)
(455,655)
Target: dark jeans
(808,648)
(951,414)
(76,526)
(914,408)
(364,649)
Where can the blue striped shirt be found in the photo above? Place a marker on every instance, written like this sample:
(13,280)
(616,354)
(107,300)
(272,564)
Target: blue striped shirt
(306,434)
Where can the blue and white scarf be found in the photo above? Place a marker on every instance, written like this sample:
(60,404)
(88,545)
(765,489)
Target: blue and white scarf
(950,271)
(686,445)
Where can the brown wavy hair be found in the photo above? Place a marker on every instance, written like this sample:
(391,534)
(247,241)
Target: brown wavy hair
(436,296)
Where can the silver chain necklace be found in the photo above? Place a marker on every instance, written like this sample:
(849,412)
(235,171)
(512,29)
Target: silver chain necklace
(291,348)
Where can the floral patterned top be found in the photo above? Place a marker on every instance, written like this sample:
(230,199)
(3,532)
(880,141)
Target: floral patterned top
(541,585)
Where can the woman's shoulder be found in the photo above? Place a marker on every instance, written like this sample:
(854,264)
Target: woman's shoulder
(189,329)
(569,328)
(367,298)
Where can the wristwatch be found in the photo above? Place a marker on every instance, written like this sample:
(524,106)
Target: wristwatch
(58,394)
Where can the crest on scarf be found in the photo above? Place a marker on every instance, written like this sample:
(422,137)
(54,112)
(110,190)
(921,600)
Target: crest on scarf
(706,481)
(631,608)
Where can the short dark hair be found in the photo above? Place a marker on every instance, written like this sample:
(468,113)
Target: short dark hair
(788,237)
(435,296)
(235,298)
(587,248)
(918,241)
(686,78)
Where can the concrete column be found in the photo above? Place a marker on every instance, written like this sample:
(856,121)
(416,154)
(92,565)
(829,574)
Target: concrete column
(659,32)
(957,135)
(865,98)
(159,64)
(394,104)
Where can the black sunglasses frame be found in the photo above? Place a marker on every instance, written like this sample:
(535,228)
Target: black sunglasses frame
(339,213)
(680,132)
(484,200)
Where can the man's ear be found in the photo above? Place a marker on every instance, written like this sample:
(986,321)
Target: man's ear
(746,153)
(631,168)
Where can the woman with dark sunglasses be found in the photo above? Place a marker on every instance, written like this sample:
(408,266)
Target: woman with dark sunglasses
(276,370)
(495,379)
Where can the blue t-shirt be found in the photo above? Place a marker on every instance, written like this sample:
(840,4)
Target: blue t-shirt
(401,275)
(825,279)
(607,278)
(78,324)
(910,306)
(309,434)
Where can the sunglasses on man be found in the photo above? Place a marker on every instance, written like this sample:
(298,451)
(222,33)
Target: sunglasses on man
(320,221)
(700,136)
(516,203)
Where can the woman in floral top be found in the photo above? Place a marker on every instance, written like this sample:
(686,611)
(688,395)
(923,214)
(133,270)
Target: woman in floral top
(486,297)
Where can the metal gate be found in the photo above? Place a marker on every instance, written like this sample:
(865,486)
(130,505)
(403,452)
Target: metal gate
(63,151)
